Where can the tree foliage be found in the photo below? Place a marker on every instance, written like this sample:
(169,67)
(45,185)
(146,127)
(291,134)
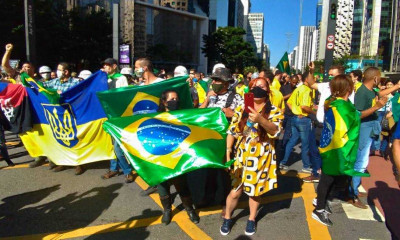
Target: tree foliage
(227,46)
(78,37)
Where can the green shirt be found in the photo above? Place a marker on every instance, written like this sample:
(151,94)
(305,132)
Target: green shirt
(365,99)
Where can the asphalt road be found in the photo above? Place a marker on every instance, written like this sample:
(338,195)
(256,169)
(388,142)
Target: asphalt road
(40,204)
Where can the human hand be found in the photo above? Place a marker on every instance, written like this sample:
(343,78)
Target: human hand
(211,93)
(381,103)
(254,116)
(311,65)
(9,47)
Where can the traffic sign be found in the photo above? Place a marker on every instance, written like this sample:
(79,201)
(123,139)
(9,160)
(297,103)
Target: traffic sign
(330,46)
(331,38)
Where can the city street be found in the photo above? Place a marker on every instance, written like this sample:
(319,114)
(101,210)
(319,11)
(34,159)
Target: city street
(40,204)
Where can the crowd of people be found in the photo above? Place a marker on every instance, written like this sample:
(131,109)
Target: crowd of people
(287,108)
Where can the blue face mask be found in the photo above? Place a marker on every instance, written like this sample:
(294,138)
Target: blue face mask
(195,80)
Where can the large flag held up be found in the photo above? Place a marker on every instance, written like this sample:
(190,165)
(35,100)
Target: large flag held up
(122,102)
(161,146)
(68,128)
(339,139)
(15,105)
(283,64)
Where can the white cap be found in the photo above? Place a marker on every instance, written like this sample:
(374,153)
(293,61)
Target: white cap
(44,69)
(180,71)
(218,65)
(254,75)
(127,71)
(84,74)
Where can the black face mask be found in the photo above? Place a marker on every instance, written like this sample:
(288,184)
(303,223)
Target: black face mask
(259,92)
(172,105)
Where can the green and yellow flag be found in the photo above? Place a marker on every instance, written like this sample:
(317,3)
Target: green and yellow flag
(396,107)
(161,146)
(126,101)
(339,139)
(283,64)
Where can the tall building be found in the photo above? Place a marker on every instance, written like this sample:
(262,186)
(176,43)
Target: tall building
(266,54)
(305,49)
(344,26)
(318,15)
(314,45)
(255,32)
(357,27)
(376,33)
(175,4)
(293,57)
(395,55)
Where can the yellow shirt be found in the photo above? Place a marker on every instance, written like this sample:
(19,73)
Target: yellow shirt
(240,90)
(200,91)
(357,86)
(276,99)
(276,84)
(301,96)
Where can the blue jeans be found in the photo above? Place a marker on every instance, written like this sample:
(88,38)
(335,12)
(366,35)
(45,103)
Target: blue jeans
(120,160)
(376,143)
(316,160)
(287,125)
(364,145)
(301,128)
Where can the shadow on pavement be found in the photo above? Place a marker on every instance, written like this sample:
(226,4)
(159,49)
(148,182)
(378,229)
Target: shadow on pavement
(69,212)
(134,231)
(389,199)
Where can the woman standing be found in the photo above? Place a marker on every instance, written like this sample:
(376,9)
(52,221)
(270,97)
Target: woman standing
(170,101)
(255,165)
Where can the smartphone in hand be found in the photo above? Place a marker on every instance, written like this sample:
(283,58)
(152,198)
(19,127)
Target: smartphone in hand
(248,101)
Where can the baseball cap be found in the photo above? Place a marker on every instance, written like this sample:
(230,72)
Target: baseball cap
(44,69)
(222,74)
(110,61)
(84,74)
(127,71)
(180,71)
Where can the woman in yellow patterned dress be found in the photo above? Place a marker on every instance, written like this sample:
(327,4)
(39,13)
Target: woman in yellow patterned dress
(255,165)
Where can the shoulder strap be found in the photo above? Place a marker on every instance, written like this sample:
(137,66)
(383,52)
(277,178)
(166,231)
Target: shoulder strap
(230,98)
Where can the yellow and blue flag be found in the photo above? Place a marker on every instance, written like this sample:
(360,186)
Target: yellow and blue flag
(161,146)
(68,128)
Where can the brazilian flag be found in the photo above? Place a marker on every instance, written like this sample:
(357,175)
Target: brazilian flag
(283,64)
(339,139)
(396,107)
(161,146)
(126,101)
(51,94)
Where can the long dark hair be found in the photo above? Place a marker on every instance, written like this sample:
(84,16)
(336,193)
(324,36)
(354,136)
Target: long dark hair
(262,133)
(163,99)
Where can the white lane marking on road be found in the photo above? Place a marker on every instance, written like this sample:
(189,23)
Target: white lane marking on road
(362,214)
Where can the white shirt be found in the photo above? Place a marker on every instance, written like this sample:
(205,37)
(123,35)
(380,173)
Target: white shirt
(155,81)
(325,91)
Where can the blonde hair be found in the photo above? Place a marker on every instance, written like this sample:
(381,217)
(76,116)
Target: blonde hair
(340,86)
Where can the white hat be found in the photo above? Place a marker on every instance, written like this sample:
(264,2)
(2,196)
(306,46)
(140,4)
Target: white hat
(218,65)
(127,71)
(84,74)
(44,69)
(180,71)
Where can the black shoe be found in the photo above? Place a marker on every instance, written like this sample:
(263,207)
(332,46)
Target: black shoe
(167,216)
(327,206)
(226,227)
(250,228)
(148,191)
(193,215)
(322,217)
(9,163)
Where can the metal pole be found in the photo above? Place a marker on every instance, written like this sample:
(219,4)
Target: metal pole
(330,47)
(30,38)
(115,10)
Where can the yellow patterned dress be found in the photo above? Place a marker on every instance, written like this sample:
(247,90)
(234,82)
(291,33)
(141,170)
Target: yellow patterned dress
(255,165)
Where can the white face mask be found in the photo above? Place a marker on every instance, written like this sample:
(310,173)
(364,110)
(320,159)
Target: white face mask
(45,76)
(139,72)
(59,73)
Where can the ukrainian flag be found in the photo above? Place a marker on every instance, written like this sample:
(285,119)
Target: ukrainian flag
(69,131)
(171,143)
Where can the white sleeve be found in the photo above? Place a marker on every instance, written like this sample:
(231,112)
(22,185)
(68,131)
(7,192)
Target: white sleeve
(121,82)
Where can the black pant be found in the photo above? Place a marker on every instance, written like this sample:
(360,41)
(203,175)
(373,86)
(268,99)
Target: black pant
(325,186)
(3,146)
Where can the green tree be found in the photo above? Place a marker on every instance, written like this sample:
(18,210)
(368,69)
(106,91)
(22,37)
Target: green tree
(227,45)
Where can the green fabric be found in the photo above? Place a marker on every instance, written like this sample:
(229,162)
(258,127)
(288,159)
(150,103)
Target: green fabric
(363,100)
(121,102)
(396,107)
(114,76)
(204,85)
(161,146)
(49,93)
(283,64)
(339,139)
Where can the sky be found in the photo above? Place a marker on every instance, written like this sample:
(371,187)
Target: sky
(281,17)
